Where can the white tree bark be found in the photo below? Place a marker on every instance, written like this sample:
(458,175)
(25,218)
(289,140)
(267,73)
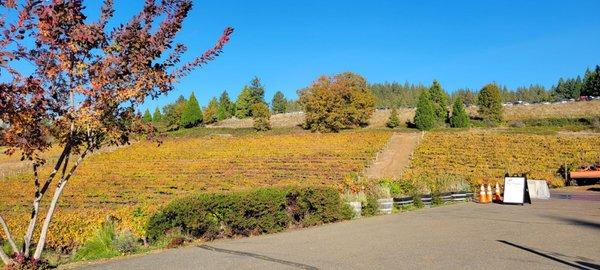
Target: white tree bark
(8,235)
(39,194)
(5,259)
(57,193)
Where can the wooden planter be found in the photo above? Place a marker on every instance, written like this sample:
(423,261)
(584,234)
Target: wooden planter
(385,205)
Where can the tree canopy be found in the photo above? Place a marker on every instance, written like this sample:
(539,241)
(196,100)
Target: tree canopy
(86,82)
(338,102)
(490,104)
(425,118)
(279,103)
(192,113)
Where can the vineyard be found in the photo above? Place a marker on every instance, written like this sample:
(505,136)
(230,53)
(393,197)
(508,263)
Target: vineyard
(130,182)
(485,156)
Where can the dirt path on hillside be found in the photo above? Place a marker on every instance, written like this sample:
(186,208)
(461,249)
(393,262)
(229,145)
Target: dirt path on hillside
(395,157)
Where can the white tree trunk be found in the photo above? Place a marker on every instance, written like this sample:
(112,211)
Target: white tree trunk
(39,194)
(42,241)
(5,259)
(8,235)
(57,192)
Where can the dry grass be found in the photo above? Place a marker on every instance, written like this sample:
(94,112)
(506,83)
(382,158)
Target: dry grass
(380,117)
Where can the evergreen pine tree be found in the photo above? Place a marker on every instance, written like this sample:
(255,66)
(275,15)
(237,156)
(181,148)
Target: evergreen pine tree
(425,115)
(257,91)
(459,118)
(147,116)
(192,113)
(226,108)
(211,111)
(440,101)
(157,117)
(490,104)
(243,103)
(393,120)
(591,84)
(261,116)
(279,103)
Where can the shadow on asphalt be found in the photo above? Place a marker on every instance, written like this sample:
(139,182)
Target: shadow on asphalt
(578,222)
(260,257)
(577,265)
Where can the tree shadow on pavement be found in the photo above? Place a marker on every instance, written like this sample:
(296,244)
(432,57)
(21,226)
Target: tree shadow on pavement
(578,222)
(577,265)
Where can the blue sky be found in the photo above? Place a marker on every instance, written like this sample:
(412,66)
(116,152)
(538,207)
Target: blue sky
(288,44)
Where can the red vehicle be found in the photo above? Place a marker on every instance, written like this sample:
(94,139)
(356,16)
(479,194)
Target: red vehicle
(586,174)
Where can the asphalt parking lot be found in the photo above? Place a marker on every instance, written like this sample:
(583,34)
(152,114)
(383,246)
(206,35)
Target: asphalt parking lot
(560,233)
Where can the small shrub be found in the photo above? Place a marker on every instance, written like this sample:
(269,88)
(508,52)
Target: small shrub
(417,202)
(393,121)
(125,242)
(371,207)
(261,116)
(436,199)
(100,245)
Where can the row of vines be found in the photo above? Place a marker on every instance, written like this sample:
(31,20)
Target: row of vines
(129,183)
(485,156)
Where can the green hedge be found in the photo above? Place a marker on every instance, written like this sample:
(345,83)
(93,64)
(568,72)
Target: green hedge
(264,210)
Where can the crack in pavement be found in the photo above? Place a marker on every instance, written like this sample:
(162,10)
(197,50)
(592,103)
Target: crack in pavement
(258,256)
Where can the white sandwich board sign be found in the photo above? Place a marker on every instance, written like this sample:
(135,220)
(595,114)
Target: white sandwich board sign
(516,190)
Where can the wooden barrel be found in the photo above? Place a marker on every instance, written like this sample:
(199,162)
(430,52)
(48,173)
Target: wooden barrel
(385,205)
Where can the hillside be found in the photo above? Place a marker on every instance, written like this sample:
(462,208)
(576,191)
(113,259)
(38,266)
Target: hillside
(481,156)
(511,113)
(129,182)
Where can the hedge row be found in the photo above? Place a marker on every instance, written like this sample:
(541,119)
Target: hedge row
(264,210)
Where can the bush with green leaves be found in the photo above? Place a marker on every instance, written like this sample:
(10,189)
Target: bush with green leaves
(264,210)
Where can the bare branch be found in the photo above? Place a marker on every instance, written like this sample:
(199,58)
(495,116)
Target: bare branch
(8,235)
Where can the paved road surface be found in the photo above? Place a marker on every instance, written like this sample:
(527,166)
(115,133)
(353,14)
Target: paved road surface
(554,234)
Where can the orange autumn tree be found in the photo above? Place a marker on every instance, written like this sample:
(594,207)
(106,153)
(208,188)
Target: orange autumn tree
(82,92)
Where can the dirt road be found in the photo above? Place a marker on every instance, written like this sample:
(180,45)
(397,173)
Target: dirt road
(395,157)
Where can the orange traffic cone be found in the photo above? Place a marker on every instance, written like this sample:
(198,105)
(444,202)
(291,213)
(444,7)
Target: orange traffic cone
(497,196)
(482,197)
(488,194)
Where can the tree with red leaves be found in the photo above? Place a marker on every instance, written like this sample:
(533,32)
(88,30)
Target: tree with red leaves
(83,92)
